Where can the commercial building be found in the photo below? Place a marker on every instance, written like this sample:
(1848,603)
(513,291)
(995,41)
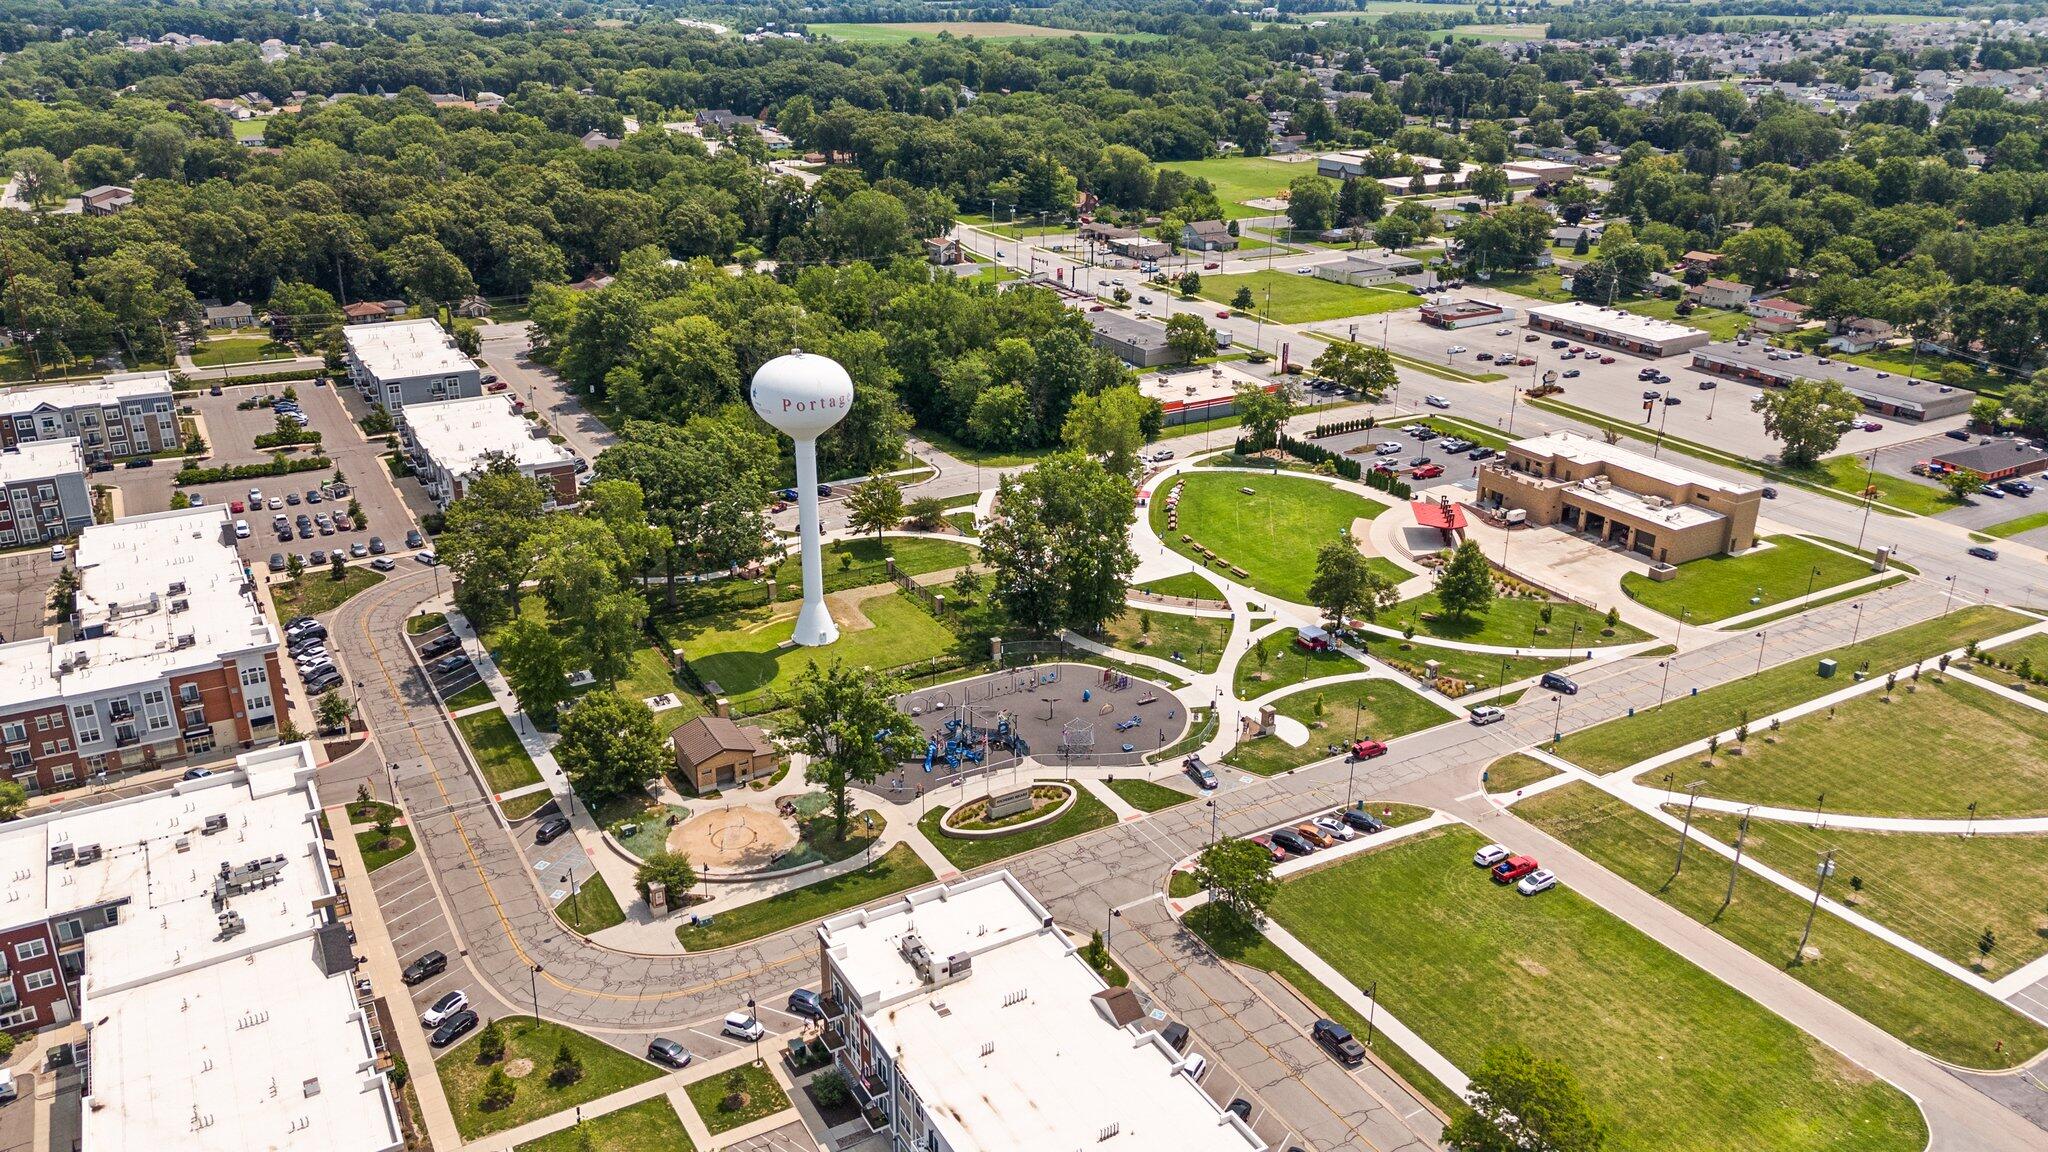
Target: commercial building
(1367,269)
(1446,313)
(1207,236)
(195,931)
(1651,507)
(43,493)
(1197,394)
(405,362)
(1139,343)
(1998,460)
(965,1021)
(452,441)
(1615,328)
(128,414)
(1885,393)
(168,657)
(713,753)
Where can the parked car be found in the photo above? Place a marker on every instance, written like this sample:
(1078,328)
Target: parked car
(1559,682)
(1293,841)
(197,773)
(453,1029)
(1203,776)
(1513,868)
(1364,821)
(1962,434)
(1480,453)
(1241,1108)
(319,557)
(662,1050)
(1428,472)
(2017,487)
(1308,831)
(448,1005)
(1455,349)
(429,965)
(438,645)
(277,563)
(1366,749)
(427,557)
(383,564)
(1541,880)
(806,1003)
(1338,1040)
(1335,826)
(1770,493)
(1490,855)
(1387,449)
(1176,1036)
(322,684)
(551,830)
(742,1026)
(1272,849)
(1486,714)
(1571,373)
(1607,359)
(1194,1066)
(313,496)
(413,539)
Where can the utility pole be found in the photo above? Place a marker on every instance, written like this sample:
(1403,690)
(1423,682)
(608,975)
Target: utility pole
(1741,831)
(1692,794)
(1825,869)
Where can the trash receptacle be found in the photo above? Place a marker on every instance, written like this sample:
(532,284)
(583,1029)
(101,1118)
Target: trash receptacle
(1827,669)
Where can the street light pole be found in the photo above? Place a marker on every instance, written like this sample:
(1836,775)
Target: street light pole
(1761,638)
(533,980)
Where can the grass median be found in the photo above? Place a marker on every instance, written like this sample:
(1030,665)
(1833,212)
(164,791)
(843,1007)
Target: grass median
(1717,587)
(649,1126)
(1086,815)
(1146,796)
(895,870)
(530,1050)
(496,746)
(1377,709)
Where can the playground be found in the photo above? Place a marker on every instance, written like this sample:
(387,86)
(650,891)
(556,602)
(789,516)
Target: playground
(1053,713)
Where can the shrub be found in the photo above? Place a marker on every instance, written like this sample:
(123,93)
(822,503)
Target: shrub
(830,1089)
(498,1091)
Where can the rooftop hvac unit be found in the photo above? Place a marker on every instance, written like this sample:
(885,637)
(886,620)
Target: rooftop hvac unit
(180,604)
(215,823)
(87,854)
(177,587)
(61,853)
(231,925)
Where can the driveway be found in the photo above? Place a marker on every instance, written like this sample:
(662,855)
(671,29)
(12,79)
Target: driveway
(504,351)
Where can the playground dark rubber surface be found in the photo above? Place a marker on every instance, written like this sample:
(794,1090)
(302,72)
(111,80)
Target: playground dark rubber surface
(1078,713)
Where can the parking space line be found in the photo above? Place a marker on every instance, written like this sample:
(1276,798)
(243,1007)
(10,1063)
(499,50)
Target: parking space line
(727,1041)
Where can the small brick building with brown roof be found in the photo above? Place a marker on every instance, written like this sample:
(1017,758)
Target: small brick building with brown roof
(713,753)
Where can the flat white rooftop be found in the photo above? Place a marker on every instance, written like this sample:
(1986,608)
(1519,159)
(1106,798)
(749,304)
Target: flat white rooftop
(1589,450)
(136,627)
(1614,321)
(41,459)
(1015,1056)
(460,434)
(1196,387)
(401,349)
(104,392)
(1616,499)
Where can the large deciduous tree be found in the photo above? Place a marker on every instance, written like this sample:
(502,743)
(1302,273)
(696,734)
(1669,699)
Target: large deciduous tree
(1059,544)
(1359,367)
(846,720)
(1525,1103)
(1110,426)
(1238,875)
(1345,584)
(1808,418)
(610,747)
(1465,585)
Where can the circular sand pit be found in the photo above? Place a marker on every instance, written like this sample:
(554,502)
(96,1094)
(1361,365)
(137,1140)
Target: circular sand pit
(735,838)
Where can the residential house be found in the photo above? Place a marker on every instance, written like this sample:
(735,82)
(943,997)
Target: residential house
(1207,236)
(105,200)
(365,312)
(1854,334)
(230,316)
(945,251)
(473,308)
(1717,293)
(1777,314)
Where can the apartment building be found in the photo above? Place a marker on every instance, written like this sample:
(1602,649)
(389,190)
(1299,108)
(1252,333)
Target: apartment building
(453,441)
(43,492)
(129,414)
(168,658)
(403,362)
(1654,508)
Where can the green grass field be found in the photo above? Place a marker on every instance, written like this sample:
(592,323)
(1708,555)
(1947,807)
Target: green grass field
(1518,771)
(991,30)
(1086,815)
(1718,587)
(1374,709)
(892,872)
(848,564)
(1931,1011)
(2032,649)
(496,746)
(376,855)
(738,1096)
(605,1070)
(221,351)
(649,1126)
(1241,178)
(1930,752)
(1187,585)
(1669,1057)
(1286,298)
(1942,891)
(470,697)
(591,908)
(1851,473)
(1285,665)
(1483,670)
(1146,796)
(1272,534)
(749,652)
(1199,639)
(1682,719)
(1513,620)
(2010,528)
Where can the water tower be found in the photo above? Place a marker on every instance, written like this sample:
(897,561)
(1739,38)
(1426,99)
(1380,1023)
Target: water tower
(802,396)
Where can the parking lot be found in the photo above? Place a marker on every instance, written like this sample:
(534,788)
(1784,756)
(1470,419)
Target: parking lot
(1983,509)
(439,644)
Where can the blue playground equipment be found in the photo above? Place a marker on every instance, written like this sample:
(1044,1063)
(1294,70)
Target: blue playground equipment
(1127,725)
(1085,696)
(931,753)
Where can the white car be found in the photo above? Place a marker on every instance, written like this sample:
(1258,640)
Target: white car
(1455,349)
(448,1005)
(276,502)
(1304,271)
(1503,331)
(1490,855)
(1436,402)
(1487,714)
(427,557)
(743,1026)
(1336,828)
(57,553)
(1162,456)
(1194,1066)
(241,529)
(1541,880)
(1390,448)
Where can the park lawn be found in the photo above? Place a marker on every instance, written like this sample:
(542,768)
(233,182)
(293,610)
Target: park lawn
(1922,1006)
(1931,752)
(1286,298)
(225,350)
(1241,178)
(848,564)
(470,697)
(1682,719)
(749,651)
(759,1096)
(496,746)
(1823,601)
(1187,585)
(1199,640)
(897,869)
(1376,709)
(1669,1057)
(649,1126)
(991,30)
(1481,670)
(376,856)
(591,908)
(1146,796)
(605,1070)
(1513,620)
(525,804)
(317,593)
(424,622)
(1286,664)
(1543,284)
(1517,771)
(1086,815)
(985,457)
(1272,534)
(2031,649)
(1942,891)
(1851,473)
(2010,528)
(1717,587)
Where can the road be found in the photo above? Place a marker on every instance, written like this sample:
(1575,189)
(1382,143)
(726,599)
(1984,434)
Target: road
(504,351)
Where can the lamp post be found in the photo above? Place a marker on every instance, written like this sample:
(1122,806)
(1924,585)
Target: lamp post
(1761,638)
(1858,629)
(1212,819)
(533,982)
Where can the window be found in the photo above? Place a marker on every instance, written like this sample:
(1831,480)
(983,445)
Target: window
(42,723)
(188,693)
(259,700)
(18,1018)
(20,758)
(69,930)
(256,675)
(15,731)
(31,950)
(113,913)
(38,980)
(194,718)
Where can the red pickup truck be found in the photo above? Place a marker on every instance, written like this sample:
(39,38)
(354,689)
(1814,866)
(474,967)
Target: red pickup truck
(1428,472)
(1513,868)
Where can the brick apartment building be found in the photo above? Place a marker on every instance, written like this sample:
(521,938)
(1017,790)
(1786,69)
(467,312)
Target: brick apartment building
(133,414)
(43,492)
(168,658)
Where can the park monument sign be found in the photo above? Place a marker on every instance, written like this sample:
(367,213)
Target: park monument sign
(803,396)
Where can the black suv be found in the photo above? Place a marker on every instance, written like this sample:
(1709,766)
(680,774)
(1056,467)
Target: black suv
(1338,1040)
(1362,820)
(1293,841)
(430,965)
(438,645)
(452,1029)
(551,829)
